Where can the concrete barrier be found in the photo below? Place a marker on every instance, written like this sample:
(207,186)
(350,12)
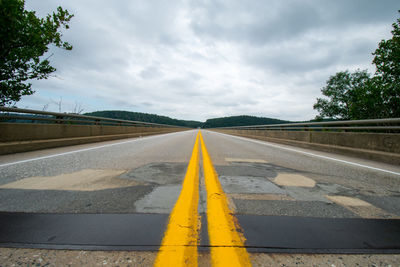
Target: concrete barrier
(22,137)
(384,147)
(34,131)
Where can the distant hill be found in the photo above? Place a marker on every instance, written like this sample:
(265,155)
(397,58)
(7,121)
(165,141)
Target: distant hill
(240,121)
(210,123)
(143,117)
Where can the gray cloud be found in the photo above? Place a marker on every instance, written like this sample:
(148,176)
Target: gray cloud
(254,22)
(260,22)
(150,72)
(201,59)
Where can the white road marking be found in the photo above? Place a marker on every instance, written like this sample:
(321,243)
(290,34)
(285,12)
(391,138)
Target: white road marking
(310,154)
(82,150)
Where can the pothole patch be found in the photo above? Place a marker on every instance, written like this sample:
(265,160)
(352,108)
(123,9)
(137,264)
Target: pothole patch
(362,208)
(348,201)
(161,173)
(248,184)
(161,200)
(84,180)
(292,179)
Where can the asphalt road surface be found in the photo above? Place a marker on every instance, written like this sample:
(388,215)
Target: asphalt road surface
(261,182)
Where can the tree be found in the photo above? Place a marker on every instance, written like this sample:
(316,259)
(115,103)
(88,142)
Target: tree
(387,75)
(344,92)
(25,38)
(357,95)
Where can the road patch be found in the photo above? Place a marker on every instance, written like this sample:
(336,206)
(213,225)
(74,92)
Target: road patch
(348,201)
(287,234)
(144,232)
(161,200)
(248,184)
(292,179)
(307,194)
(292,208)
(362,208)
(390,203)
(84,180)
(135,231)
(162,173)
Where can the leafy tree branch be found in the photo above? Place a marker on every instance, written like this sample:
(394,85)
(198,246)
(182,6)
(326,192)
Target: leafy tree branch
(358,95)
(25,38)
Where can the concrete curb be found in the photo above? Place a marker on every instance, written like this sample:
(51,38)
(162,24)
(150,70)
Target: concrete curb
(25,146)
(386,157)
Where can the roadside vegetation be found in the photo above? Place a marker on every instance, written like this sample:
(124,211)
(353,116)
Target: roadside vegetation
(25,38)
(360,95)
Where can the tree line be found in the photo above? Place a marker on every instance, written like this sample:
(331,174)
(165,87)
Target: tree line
(240,121)
(210,123)
(143,117)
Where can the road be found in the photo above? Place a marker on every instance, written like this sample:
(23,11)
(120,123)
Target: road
(144,176)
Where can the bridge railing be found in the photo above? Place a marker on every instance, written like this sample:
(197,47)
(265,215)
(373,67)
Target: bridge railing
(377,139)
(23,115)
(392,124)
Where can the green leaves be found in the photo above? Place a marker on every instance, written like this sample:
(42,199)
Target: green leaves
(387,62)
(25,39)
(387,57)
(358,96)
(344,91)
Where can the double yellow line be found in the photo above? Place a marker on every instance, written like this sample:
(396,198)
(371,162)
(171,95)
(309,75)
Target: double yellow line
(179,245)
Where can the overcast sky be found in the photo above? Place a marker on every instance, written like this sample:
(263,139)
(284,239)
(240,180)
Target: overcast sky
(205,59)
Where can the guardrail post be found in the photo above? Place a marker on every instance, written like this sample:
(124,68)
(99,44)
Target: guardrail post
(345,130)
(59,118)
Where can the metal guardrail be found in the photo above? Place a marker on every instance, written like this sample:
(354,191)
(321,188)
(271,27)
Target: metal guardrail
(392,124)
(65,118)
(375,124)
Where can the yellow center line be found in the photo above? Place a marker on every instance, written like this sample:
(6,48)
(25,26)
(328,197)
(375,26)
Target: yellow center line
(227,244)
(179,245)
